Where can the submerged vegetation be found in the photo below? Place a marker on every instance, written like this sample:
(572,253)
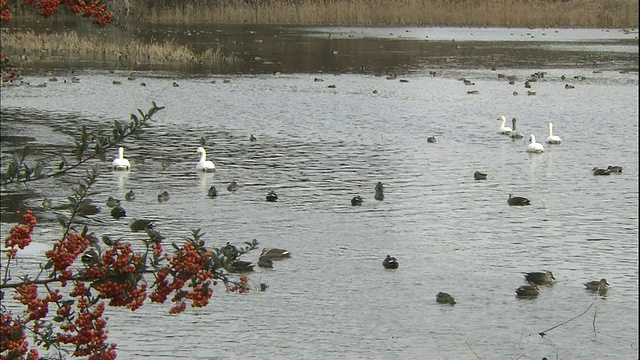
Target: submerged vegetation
(500,13)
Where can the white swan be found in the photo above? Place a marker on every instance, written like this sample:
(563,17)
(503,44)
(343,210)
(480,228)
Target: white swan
(533,146)
(120,163)
(516,134)
(553,139)
(204,165)
(504,130)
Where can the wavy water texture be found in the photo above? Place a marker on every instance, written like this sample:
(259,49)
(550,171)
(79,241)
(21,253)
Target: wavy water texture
(317,148)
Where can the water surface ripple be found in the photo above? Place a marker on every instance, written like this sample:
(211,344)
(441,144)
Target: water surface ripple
(317,147)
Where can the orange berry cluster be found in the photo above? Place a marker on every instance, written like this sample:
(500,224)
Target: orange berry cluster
(37,308)
(13,340)
(65,251)
(191,263)
(241,287)
(20,235)
(86,331)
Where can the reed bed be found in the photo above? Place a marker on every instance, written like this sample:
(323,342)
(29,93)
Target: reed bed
(69,45)
(490,13)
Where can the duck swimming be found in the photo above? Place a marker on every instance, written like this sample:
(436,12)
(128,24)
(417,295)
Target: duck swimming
(233,186)
(601,286)
(212,192)
(527,291)
(534,147)
(164,196)
(431,139)
(552,139)
(504,130)
(130,196)
(111,202)
(118,212)
(356,200)
(540,278)
(479,176)
(615,169)
(204,165)
(271,196)
(120,163)
(518,201)
(598,171)
(390,262)
(275,254)
(444,298)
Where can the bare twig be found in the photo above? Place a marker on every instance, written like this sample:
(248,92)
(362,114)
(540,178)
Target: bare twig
(543,333)
(518,347)
(595,313)
(473,351)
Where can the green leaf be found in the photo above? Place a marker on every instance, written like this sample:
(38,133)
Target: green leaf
(48,265)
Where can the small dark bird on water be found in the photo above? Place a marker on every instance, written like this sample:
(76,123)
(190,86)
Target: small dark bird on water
(390,262)
(252,138)
(141,224)
(212,192)
(615,169)
(233,186)
(518,201)
(598,171)
(271,196)
(118,212)
(479,176)
(540,278)
(444,298)
(527,291)
(356,200)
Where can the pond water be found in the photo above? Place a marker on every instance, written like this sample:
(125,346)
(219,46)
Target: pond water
(317,147)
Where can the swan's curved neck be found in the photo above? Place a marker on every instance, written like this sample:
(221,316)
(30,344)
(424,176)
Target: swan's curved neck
(550,129)
(533,139)
(203,156)
(504,121)
(121,153)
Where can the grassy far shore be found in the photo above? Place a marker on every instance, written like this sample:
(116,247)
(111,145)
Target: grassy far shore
(482,13)
(490,13)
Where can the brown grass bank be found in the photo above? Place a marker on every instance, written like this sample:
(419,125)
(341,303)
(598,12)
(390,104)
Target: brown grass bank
(31,46)
(490,13)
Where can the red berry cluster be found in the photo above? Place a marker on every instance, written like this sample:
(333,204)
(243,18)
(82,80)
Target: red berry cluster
(20,235)
(65,252)
(13,340)
(118,275)
(86,331)
(37,307)
(241,287)
(191,263)
(5,12)
(49,7)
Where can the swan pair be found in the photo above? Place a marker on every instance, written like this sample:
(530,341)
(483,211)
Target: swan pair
(122,164)
(535,147)
(505,130)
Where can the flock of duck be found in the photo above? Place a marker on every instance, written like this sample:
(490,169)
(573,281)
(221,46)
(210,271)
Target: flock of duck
(267,256)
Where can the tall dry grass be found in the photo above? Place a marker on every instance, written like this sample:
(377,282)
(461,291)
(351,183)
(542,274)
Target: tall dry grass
(70,45)
(498,13)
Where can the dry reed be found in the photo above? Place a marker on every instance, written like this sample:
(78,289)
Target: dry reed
(499,13)
(69,45)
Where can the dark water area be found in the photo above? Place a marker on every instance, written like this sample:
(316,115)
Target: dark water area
(266,49)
